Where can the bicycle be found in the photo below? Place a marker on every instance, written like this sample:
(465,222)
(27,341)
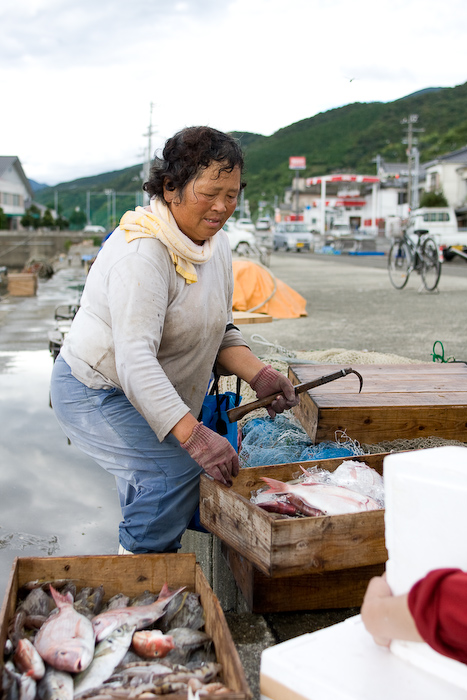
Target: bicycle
(405,256)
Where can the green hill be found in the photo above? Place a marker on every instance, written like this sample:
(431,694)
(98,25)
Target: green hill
(346,139)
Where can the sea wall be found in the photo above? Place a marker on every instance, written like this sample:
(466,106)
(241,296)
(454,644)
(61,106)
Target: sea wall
(19,247)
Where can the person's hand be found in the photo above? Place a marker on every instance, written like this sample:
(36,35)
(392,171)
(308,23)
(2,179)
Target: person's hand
(213,453)
(372,612)
(269,381)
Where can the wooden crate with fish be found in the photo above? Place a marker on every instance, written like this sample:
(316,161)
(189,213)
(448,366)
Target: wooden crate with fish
(397,401)
(137,593)
(284,563)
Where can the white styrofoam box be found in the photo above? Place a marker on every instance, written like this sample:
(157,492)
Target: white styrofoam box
(342,662)
(425,526)
(426,513)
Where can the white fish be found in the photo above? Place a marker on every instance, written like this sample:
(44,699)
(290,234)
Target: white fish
(139,615)
(325,498)
(107,655)
(55,685)
(66,639)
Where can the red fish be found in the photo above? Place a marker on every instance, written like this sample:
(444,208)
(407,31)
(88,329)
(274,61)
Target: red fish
(278,507)
(66,639)
(152,643)
(139,616)
(28,659)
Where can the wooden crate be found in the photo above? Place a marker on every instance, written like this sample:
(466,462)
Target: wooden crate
(133,575)
(321,591)
(22,284)
(281,547)
(397,401)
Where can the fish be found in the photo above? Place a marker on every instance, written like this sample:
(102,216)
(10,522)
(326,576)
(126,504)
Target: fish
(27,687)
(89,600)
(28,660)
(55,685)
(39,583)
(301,507)
(119,600)
(107,655)
(186,642)
(141,615)
(278,507)
(37,602)
(184,610)
(145,598)
(66,639)
(151,644)
(326,498)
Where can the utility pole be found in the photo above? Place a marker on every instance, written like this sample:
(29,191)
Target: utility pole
(149,134)
(410,141)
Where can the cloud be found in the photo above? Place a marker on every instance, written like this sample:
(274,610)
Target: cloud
(80,77)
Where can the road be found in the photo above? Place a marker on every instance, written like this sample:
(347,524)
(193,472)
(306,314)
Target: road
(351,304)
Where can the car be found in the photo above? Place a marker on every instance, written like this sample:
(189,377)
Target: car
(339,230)
(245,223)
(242,241)
(89,228)
(292,236)
(263,224)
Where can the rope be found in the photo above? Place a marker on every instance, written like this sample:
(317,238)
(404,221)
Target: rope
(440,357)
(278,348)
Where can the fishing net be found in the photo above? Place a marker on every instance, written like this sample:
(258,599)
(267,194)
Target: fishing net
(280,358)
(283,440)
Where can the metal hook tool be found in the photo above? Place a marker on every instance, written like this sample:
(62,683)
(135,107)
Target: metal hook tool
(234,414)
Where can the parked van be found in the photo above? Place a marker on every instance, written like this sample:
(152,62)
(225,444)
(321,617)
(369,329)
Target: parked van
(441,224)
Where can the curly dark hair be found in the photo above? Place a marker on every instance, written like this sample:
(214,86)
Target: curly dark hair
(187,153)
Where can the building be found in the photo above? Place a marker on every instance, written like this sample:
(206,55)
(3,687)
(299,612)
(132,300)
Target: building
(448,174)
(15,191)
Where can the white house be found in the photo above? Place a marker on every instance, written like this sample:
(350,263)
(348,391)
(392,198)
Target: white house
(448,174)
(15,191)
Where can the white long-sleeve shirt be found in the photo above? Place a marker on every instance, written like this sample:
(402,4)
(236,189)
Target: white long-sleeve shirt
(142,329)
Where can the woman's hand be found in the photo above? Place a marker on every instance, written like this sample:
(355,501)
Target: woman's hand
(385,616)
(372,609)
(269,381)
(213,453)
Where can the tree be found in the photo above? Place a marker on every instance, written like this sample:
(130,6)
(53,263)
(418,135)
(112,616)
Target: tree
(61,222)
(47,220)
(78,219)
(32,217)
(3,220)
(433,199)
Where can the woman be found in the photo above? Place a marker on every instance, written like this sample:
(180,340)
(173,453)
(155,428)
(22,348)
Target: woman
(433,611)
(155,317)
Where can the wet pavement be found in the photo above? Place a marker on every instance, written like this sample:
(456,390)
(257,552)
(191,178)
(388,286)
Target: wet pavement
(56,501)
(53,500)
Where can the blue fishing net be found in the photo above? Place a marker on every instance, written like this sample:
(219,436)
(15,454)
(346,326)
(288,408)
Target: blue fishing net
(281,440)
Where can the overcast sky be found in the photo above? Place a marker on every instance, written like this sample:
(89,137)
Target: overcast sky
(77,78)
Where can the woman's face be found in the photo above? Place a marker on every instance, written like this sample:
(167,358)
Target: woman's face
(207,202)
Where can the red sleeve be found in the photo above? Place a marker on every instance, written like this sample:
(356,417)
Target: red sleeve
(438,604)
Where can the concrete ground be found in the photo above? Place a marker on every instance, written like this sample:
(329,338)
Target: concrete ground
(350,305)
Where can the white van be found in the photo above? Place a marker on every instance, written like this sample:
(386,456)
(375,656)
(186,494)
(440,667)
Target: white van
(441,224)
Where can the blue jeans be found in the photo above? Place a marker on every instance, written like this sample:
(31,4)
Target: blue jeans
(157,482)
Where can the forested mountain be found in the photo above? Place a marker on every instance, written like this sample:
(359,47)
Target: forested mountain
(346,139)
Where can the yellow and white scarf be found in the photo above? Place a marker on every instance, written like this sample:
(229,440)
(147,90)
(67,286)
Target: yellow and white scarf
(159,223)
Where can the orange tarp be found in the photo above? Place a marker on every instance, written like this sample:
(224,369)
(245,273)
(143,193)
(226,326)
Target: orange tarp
(253,284)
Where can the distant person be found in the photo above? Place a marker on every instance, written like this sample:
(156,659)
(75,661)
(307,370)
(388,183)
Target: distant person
(155,318)
(433,611)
